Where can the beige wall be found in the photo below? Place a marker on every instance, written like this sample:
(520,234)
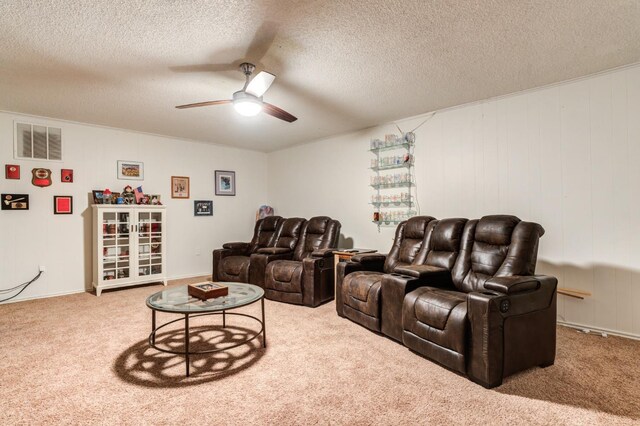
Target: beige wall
(566,156)
(63,243)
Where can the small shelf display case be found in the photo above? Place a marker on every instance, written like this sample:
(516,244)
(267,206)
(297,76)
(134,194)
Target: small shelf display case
(129,245)
(393,179)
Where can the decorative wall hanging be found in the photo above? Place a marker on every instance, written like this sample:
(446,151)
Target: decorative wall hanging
(63,204)
(203,208)
(12,171)
(15,201)
(41,177)
(133,170)
(66,175)
(225,182)
(179,187)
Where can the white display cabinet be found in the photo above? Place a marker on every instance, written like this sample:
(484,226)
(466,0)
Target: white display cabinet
(129,245)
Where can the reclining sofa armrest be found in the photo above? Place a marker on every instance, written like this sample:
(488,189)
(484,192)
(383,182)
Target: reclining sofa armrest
(370,260)
(327,252)
(492,340)
(421,271)
(513,284)
(260,260)
(236,246)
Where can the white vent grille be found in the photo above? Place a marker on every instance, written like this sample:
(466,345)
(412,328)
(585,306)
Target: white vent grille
(38,142)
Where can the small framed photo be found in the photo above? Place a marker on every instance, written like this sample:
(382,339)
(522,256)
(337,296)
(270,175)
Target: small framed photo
(62,204)
(12,171)
(179,187)
(15,201)
(133,170)
(203,208)
(66,175)
(154,200)
(97,197)
(225,182)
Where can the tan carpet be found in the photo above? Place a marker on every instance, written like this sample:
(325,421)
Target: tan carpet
(83,359)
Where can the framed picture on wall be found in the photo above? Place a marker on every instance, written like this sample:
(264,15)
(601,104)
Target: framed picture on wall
(225,182)
(97,196)
(63,204)
(202,208)
(133,170)
(179,187)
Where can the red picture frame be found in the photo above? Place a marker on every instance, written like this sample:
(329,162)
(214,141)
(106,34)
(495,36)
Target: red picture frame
(12,171)
(62,204)
(66,175)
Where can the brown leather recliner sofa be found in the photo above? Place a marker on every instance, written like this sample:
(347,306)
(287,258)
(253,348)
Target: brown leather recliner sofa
(231,263)
(471,301)
(359,280)
(301,252)
(306,278)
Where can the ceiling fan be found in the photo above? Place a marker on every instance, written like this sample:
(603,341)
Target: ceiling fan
(248,101)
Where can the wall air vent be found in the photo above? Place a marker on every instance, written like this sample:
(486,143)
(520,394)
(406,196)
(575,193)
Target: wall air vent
(37,142)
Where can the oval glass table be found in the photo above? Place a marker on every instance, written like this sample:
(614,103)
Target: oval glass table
(178,301)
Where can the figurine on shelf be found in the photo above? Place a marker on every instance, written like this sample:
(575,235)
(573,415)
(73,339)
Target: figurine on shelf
(128,195)
(106,196)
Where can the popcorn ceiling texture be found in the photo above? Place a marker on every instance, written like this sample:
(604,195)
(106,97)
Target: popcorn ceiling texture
(341,65)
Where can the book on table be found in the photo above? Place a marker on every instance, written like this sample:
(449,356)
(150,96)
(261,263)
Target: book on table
(207,290)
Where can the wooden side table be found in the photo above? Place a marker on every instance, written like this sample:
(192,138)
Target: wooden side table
(343,255)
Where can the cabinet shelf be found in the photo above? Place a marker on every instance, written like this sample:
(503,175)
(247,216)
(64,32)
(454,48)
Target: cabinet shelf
(393,185)
(392,166)
(120,235)
(393,204)
(405,145)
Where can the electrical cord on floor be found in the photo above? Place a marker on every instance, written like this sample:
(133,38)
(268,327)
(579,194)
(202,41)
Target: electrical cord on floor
(23,285)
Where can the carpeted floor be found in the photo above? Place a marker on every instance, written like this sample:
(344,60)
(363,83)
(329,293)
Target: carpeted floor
(83,359)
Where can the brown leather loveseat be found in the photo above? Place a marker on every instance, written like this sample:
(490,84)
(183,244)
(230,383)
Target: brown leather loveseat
(292,259)
(471,301)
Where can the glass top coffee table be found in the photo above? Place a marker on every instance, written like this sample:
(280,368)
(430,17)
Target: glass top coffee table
(178,301)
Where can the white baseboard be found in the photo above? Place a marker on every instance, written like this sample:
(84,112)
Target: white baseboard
(66,293)
(599,330)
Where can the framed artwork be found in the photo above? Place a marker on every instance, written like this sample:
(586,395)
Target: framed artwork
(203,208)
(12,171)
(154,199)
(97,196)
(62,204)
(225,182)
(133,170)
(179,187)
(66,175)
(15,201)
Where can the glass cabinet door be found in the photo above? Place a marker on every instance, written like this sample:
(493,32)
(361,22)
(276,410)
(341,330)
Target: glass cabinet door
(150,243)
(116,244)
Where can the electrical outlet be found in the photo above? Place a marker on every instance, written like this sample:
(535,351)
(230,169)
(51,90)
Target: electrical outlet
(41,268)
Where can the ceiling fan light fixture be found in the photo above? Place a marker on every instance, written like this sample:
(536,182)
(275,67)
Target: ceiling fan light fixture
(246,104)
(247,108)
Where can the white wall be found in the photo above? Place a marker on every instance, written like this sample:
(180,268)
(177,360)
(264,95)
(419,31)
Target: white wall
(566,156)
(63,243)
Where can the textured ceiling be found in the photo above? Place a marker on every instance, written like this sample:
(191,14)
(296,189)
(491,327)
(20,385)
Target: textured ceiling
(341,65)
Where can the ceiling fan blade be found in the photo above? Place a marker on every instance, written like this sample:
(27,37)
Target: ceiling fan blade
(201,104)
(260,83)
(278,112)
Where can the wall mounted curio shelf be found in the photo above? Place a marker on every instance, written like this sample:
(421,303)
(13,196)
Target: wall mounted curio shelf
(393,166)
